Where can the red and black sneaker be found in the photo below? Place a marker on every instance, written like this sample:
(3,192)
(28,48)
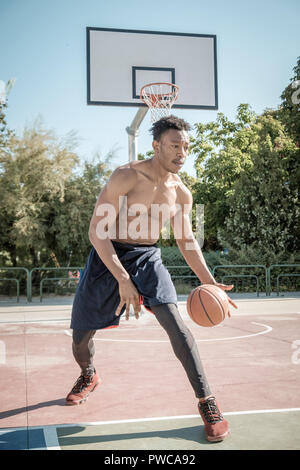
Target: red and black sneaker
(215,425)
(84,385)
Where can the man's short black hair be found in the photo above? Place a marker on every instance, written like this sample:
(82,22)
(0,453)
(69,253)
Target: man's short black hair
(166,123)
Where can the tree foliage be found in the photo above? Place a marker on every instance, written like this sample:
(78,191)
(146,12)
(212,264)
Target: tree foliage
(264,210)
(221,151)
(249,176)
(289,109)
(71,216)
(45,203)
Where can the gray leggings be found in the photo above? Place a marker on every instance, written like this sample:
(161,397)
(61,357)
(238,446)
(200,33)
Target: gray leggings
(181,338)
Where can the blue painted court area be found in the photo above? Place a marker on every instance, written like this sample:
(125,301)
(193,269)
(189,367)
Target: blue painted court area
(22,439)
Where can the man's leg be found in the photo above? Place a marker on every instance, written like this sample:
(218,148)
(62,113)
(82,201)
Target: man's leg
(83,351)
(184,346)
(185,349)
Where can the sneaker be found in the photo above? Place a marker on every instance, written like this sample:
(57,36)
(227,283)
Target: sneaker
(215,425)
(84,385)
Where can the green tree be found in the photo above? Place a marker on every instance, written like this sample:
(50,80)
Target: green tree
(47,198)
(222,152)
(6,136)
(34,171)
(5,132)
(264,210)
(289,109)
(289,114)
(68,234)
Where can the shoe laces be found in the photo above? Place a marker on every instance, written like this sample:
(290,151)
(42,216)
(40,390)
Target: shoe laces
(211,411)
(81,383)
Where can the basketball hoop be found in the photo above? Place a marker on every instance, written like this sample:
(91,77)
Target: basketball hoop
(160,98)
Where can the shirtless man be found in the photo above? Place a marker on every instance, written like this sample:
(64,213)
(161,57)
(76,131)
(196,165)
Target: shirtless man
(124,266)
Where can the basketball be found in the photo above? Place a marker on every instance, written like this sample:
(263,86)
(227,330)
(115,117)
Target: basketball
(207,305)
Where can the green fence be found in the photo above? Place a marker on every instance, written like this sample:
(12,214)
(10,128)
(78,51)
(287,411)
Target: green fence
(275,278)
(64,282)
(183,283)
(237,271)
(39,275)
(13,281)
(275,272)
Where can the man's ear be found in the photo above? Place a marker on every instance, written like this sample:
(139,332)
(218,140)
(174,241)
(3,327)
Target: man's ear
(155,145)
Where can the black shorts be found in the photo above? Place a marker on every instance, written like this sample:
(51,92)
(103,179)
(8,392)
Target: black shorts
(97,295)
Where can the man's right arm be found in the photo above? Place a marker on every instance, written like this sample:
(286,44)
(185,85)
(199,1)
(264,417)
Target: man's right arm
(106,210)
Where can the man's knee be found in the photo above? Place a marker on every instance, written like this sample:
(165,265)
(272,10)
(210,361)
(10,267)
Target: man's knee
(82,336)
(169,317)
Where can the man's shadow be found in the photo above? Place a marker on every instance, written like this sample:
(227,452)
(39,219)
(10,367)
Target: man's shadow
(25,409)
(72,436)
(19,439)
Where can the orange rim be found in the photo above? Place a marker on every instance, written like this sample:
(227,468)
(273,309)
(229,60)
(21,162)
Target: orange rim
(154,98)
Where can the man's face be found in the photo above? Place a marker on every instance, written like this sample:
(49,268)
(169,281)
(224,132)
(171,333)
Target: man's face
(172,149)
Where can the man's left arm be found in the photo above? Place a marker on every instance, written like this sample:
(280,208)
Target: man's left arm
(187,243)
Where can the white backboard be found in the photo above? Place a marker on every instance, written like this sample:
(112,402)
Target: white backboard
(120,62)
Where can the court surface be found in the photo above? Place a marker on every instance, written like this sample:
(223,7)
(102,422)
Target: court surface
(145,402)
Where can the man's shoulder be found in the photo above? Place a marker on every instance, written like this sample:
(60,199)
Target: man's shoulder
(124,172)
(183,192)
(129,169)
(122,180)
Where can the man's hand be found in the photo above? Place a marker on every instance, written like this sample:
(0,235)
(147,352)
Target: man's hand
(225,287)
(128,295)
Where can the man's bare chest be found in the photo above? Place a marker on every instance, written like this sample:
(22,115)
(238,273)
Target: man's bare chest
(147,194)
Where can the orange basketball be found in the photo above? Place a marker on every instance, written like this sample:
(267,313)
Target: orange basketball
(207,305)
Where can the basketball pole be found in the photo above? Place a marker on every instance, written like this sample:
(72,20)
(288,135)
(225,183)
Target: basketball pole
(133,133)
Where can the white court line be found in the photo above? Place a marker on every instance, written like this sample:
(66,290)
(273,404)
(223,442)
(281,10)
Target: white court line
(165,418)
(52,442)
(265,331)
(17,322)
(51,438)
(156,418)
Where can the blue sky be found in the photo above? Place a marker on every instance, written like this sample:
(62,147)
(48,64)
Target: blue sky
(43,46)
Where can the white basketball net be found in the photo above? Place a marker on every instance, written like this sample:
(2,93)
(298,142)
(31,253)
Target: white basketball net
(160,98)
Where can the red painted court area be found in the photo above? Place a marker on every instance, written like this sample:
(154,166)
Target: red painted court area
(252,361)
